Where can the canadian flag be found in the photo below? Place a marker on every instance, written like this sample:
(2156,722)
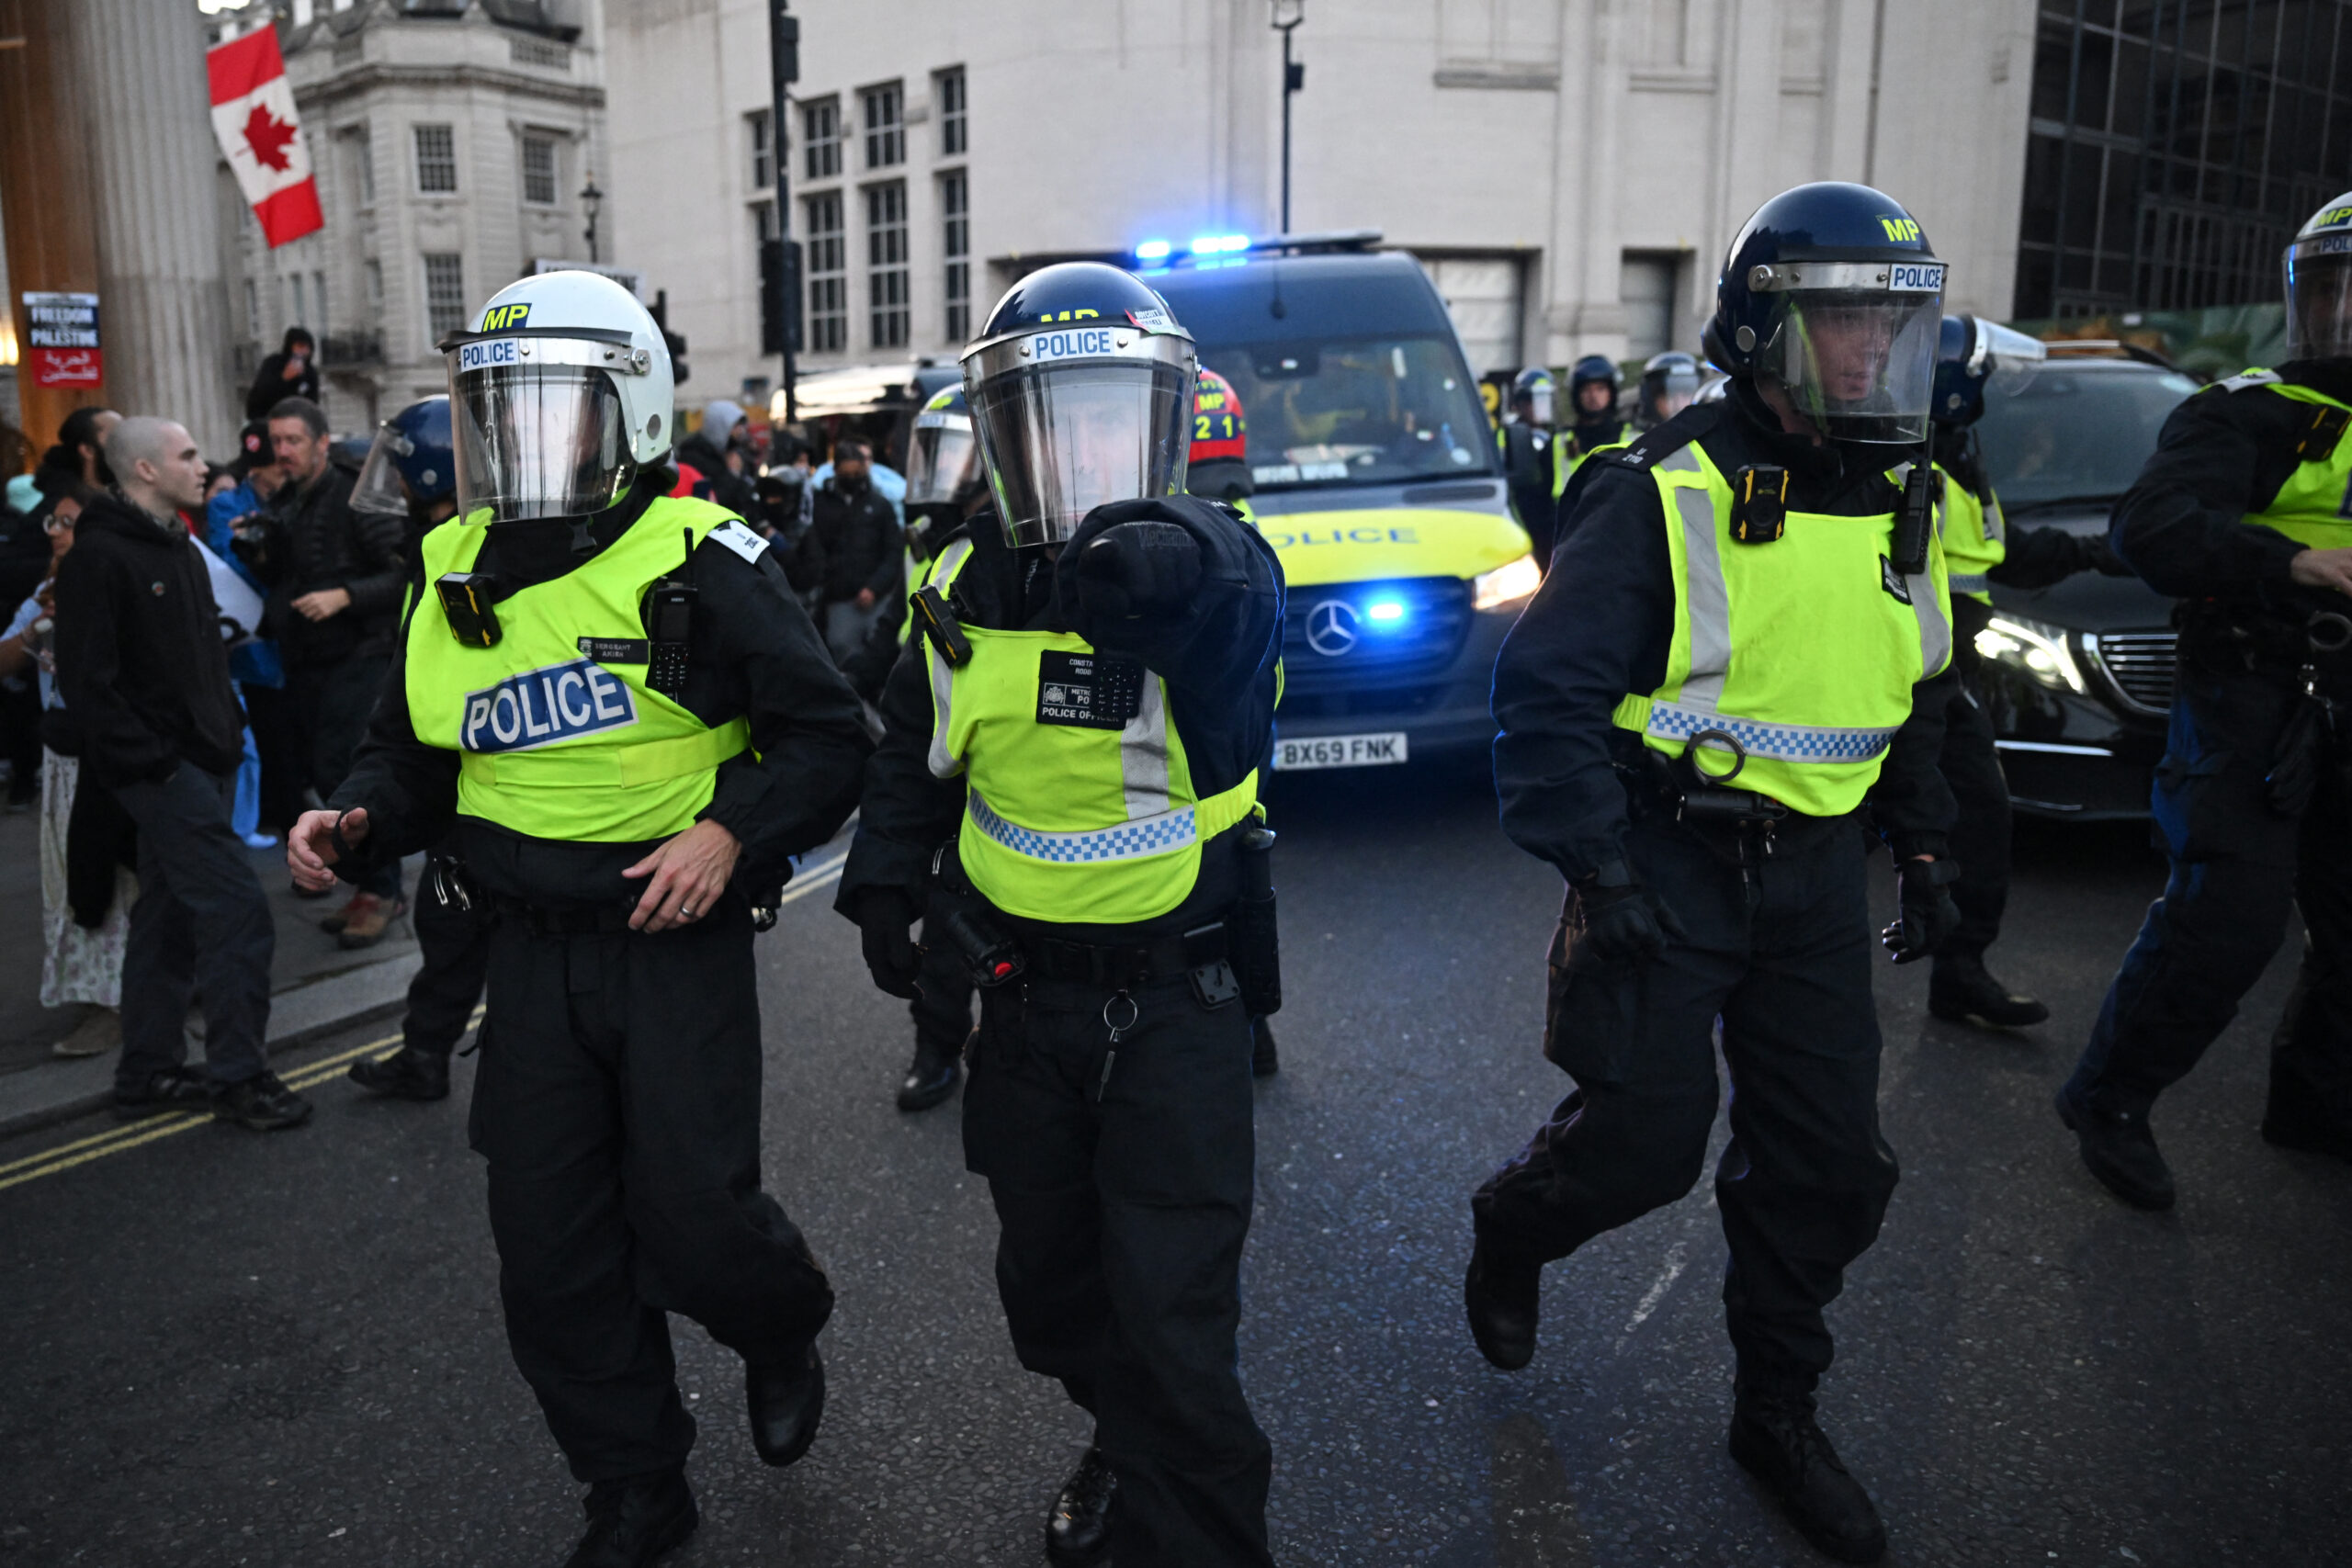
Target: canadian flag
(253,115)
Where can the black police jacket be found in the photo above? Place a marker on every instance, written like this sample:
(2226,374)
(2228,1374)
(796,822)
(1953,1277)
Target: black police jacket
(1600,627)
(752,654)
(1217,655)
(2183,527)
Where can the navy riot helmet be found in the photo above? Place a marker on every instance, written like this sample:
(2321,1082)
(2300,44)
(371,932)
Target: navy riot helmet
(1534,387)
(1969,350)
(1081,393)
(1593,370)
(1670,384)
(412,465)
(1832,296)
(2318,284)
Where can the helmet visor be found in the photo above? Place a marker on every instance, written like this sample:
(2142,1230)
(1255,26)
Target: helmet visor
(2007,358)
(1857,365)
(380,487)
(1061,440)
(2319,300)
(945,458)
(1539,403)
(1670,390)
(538,440)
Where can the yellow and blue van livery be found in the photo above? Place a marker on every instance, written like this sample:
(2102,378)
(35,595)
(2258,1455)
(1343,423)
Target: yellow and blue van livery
(1377,483)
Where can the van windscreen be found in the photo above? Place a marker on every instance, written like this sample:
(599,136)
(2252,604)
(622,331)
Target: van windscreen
(1354,410)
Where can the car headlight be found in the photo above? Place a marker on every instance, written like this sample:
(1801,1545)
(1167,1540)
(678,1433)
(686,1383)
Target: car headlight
(1506,584)
(2045,652)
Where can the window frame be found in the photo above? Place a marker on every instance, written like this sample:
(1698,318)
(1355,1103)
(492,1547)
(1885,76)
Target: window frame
(889,292)
(827,302)
(955,194)
(418,133)
(759,129)
(884,140)
(951,93)
(821,150)
(434,331)
(553,143)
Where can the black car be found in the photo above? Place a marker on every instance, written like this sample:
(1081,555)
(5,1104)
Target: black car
(2079,675)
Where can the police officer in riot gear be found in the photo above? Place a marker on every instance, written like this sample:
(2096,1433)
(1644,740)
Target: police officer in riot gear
(1677,740)
(1670,383)
(410,472)
(610,705)
(1066,794)
(1594,385)
(1980,550)
(2239,514)
(1530,455)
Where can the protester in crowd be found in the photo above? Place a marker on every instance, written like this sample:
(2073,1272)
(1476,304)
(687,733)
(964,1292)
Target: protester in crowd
(146,683)
(87,887)
(269,801)
(888,480)
(334,579)
(723,429)
(80,452)
(291,372)
(860,537)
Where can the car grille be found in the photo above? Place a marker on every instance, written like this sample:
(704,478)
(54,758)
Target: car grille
(1431,618)
(2141,664)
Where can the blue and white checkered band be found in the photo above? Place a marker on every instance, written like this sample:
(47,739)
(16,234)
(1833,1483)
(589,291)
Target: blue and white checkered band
(1970,582)
(1782,743)
(1128,841)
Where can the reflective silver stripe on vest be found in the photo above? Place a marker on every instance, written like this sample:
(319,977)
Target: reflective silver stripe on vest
(1996,526)
(1935,631)
(1782,743)
(1143,755)
(1970,582)
(1127,840)
(1708,601)
(942,678)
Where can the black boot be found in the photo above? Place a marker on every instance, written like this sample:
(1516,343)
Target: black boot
(787,1399)
(407,1074)
(2297,1119)
(1078,1532)
(1775,1439)
(632,1522)
(1502,1295)
(1962,992)
(932,1077)
(2120,1150)
(1264,1063)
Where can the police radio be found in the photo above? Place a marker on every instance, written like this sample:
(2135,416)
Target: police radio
(1915,519)
(669,622)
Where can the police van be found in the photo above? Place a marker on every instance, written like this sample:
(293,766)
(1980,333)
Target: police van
(1376,480)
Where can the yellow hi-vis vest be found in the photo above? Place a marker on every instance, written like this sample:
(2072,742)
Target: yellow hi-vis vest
(2309,507)
(1800,649)
(1975,535)
(552,740)
(1064,822)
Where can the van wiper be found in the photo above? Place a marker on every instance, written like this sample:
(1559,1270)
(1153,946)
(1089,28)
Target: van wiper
(2063,503)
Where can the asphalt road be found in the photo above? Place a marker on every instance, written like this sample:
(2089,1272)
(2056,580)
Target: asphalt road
(218,1349)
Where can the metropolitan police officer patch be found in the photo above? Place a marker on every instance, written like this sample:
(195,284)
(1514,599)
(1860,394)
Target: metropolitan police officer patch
(1091,690)
(1892,580)
(540,707)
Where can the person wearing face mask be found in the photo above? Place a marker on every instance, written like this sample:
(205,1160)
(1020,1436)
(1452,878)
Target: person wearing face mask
(858,534)
(1744,640)
(1065,795)
(607,704)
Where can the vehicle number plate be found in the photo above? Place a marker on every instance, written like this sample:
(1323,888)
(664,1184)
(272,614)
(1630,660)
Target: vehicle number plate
(1340,751)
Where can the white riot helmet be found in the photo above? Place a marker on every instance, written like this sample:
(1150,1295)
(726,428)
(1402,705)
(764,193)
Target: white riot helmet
(558,395)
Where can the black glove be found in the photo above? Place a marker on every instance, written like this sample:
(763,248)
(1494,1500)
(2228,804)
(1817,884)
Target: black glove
(1927,916)
(886,919)
(2101,558)
(1625,922)
(1136,568)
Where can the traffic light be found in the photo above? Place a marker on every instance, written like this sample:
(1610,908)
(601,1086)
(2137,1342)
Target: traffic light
(779,296)
(677,344)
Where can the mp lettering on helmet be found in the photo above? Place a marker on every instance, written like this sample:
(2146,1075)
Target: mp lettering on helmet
(1904,230)
(540,707)
(505,317)
(1079,315)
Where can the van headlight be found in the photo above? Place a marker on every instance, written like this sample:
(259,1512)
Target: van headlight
(2045,652)
(1506,584)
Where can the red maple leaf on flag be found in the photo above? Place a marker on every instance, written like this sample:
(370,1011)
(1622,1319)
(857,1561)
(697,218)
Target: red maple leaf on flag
(268,137)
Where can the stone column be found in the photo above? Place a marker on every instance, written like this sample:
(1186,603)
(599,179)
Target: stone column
(163,302)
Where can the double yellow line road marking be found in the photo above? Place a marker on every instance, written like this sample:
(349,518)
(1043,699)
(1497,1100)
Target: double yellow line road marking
(115,1140)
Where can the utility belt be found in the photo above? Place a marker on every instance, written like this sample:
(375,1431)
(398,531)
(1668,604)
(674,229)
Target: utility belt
(1237,957)
(2286,640)
(1676,788)
(453,886)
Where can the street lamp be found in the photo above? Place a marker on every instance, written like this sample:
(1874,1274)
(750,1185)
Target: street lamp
(1288,14)
(592,198)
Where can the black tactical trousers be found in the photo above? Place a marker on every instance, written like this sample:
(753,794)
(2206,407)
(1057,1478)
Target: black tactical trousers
(1981,835)
(1122,1176)
(2237,865)
(455,943)
(1784,960)
(618,1105)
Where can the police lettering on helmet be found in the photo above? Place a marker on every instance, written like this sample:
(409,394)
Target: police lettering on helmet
(1081,393)
(2319,285)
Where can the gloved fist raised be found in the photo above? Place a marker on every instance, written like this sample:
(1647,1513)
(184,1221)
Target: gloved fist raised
(886,919)
(1927,916)
(1625,922)
(1135,568)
